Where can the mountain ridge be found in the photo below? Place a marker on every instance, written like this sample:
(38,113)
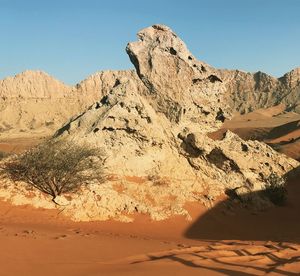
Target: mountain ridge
(33,90)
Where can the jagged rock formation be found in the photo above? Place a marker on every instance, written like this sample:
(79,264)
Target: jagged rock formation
(247,92)
(33,100)
(153,129)
(102,82)
(32,85)
(159,135)
(34,103)
(174,77)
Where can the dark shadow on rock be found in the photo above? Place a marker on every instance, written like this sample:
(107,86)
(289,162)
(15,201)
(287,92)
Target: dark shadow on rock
(229,220)
(189,147)
(67,126)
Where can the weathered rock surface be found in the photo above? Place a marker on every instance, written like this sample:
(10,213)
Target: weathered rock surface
(32,85)
(153,130)
(161,132)
(102,82)
(248,92)
(33,103)
(178,85)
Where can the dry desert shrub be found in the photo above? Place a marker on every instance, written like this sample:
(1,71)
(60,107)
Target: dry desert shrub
(56,167)
(275,189)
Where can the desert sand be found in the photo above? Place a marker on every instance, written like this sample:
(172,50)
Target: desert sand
(219,241)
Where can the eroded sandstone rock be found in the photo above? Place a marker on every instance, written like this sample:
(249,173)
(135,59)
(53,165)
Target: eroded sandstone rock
(153,131)
(33,103)
(178,85)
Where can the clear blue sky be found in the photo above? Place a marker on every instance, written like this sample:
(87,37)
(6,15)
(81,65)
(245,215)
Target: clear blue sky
(71,39)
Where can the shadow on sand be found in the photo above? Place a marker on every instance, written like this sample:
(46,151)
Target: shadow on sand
(231,249)
(228,221)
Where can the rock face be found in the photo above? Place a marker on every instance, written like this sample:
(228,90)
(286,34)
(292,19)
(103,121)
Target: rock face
(100,84)
(166,73)
(248,92)
(32,85)
(153,128)
(179,86)
(32,100)
(159,136)
(33,103)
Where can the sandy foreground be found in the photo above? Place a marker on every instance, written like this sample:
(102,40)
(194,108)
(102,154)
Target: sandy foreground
(42,242)
(217,241)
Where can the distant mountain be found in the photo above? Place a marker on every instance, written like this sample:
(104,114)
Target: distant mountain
(33,84)
(247,92)
(33,102)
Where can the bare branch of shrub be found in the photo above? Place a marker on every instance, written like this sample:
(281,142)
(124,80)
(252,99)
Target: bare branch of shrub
(56,167)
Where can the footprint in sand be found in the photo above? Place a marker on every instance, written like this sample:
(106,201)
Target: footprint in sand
(60,237)
(28,232)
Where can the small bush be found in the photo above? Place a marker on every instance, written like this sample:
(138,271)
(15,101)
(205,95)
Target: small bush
(56,167)
(275,189)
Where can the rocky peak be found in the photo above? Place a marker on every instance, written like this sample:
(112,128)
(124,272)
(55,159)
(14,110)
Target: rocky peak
(100,83)
(292,78)
(176,81)
(158,135)
(32,84)
(159,47)
(264,82)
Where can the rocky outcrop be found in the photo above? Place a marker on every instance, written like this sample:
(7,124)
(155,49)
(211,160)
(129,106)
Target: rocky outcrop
(34,103)
(178,85)
(152,127)
(101,83)
(32,85)
(166,73)
(159,136)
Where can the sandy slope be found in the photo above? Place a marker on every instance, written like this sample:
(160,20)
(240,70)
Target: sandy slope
(38,242)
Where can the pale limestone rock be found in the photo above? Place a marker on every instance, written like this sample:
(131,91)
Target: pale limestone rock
(142,138)
(179,86)
(32,85)
(247,92)
(131,133)
(154,134)
(33,103)
(101,83)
